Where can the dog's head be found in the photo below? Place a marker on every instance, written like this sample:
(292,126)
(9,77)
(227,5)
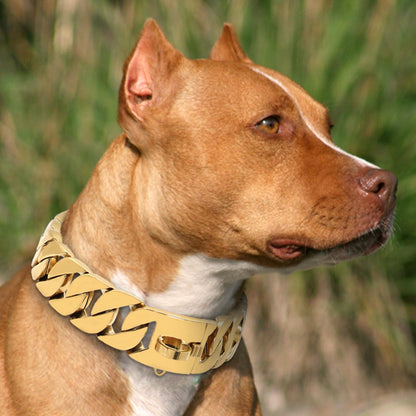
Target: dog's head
(237,161)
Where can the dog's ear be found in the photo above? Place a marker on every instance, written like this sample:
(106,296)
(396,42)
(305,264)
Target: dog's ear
(147,74)
(227,47)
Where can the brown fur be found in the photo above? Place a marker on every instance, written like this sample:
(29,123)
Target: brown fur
(191,173)
(229,390)
(49,368)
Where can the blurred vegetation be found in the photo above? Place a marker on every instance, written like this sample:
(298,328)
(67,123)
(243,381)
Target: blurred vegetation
(60,66)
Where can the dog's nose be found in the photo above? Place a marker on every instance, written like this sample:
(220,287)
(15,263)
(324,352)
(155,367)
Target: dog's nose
(381,183)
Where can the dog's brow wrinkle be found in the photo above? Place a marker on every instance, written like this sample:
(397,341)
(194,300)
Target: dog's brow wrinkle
(317,134)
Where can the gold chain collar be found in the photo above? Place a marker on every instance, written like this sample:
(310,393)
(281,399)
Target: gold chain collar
(155,338)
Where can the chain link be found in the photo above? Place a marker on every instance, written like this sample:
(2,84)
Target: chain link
(153,337)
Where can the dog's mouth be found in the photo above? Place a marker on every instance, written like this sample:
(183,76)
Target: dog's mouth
(289,250)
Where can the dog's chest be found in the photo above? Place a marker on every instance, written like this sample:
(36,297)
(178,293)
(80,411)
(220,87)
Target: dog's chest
(151,395)
(204,287)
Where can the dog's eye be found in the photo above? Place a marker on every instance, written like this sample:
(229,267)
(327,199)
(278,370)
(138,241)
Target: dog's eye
(269,125)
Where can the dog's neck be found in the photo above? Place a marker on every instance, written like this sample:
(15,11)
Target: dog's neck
(105,230)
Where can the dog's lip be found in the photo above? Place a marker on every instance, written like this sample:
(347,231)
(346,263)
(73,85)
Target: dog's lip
(286,249)
(373,239)
(361,246)
(291,249)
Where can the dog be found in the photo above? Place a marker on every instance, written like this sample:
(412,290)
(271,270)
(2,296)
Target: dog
(224,169)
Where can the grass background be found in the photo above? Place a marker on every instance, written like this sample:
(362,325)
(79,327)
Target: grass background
(60,67)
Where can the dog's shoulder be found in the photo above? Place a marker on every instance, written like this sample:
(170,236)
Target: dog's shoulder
(229,390)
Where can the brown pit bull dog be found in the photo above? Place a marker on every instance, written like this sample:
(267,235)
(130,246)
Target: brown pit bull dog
(224,169)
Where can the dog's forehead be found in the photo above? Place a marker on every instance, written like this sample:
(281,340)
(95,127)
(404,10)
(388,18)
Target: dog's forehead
(246,84)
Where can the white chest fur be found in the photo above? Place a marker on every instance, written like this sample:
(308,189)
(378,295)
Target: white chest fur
(204,288)
(151,395)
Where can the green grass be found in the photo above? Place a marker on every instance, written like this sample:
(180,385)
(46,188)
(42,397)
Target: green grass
(59,76)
